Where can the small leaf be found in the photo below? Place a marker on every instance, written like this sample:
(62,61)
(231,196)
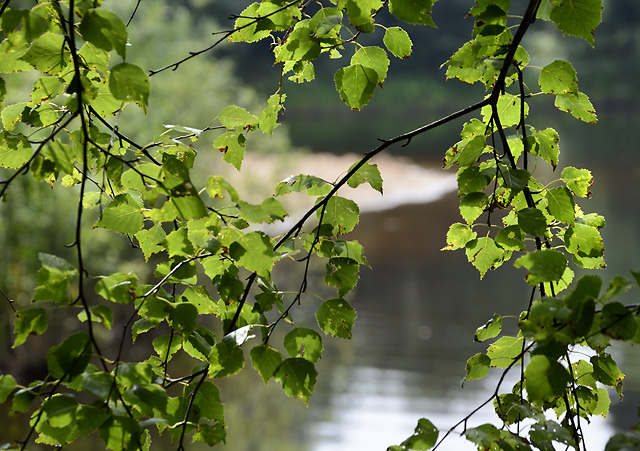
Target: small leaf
(578,180)
(546,265)
(314,186)
(232,144)
(424,437)
(305,343)
(411,11)
(397,42)
(233,116)
(483,253)
(369,173)
(119,287)
(491,329)
(578,106)
(504,351)
(297,377)
(7,385)
(342,214)
(477,367)
(532,221)
(123,214)
(29,321)
(336,317)
(226,358)
(558,77)
(458,236)
(71,357)
(561,205)
(472,205)
(266,361)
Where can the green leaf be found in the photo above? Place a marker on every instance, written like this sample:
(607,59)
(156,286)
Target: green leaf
(7,385)
(483,253)
(508,108)
(268,211)
(579,106)
(29,321)
(485,436)
(15,150)
(624,441)
(606,370)
(532,221)
(544,433)
(226,358)
(248,31)
(458,236)
(342,273)
(397,42)
(48,54)
(71,357)
(123,214)
(356,84)
(326,24)
(361,12)
(584,239)
(336,317)
(253,250)
(472,205)
(578,180)
(413,11)
(233,116)
(268,120)
(105,30)
(182,317)
(201,299)
(546,265)
(477,367)
(167,345)
(150,239)
(424,436)
(266,361)
(561,205)
(504,351)
(471,179)
(314,186)
(297,377)
(548,146)
(119,287)
(232,144)
(54,279)
(342,214)
(305,343)
(59,410)
(577,17)
(545,379)
(128,82)
(217,185)
(618,322)
(300,45)
(369,173)
(374,58)
(558,77)
(490,329)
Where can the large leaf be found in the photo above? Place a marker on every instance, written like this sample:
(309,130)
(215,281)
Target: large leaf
(30,321)
(71,357)
(397,42)
(356,84)
(545,379)
(578,17)
(413,11)
(105,30)
(483,253)
(123,214)
(298,377)
(558,77)
(128,82)
(336,317)
(266,361)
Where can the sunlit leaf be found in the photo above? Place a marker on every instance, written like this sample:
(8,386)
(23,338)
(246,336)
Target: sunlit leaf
(545,379)
(336,317)
(128,82)
(297,377)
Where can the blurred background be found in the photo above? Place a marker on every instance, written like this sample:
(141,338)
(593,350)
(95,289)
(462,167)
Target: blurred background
(418,307)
